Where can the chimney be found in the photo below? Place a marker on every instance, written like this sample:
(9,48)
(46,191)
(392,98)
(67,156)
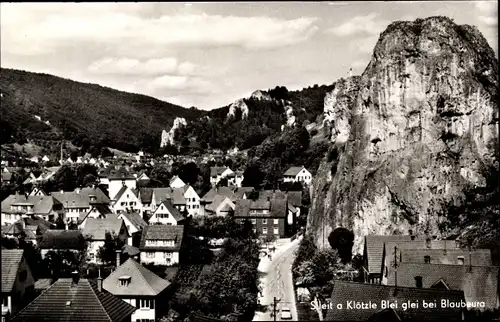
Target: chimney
(411,234)
(118,254)
(62,191)
(66,226)
(77,190)
(75,276)
(428,242)
(99,281)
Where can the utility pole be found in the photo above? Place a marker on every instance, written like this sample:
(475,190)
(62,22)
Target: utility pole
(275,303)
(395,269)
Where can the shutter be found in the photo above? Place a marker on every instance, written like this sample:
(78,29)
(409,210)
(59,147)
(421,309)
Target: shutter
(152,304)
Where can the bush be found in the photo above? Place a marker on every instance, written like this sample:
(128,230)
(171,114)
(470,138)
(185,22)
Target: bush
(342,240)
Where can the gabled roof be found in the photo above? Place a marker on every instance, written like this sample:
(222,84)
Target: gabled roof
(62,239)
(175,195)
(216,203)
(217,171)
(97,227)
(293,171)
(41,204)
(122,190)
(143,282)
(480,283)
(174,178)
(278,208)
(171,210)
(295,198)
(98,193)
(146,194)
(103,211)
(375,247)
(130,250)
(11,259)
(87,303)
(72,199)
(162,232)
(135,219)
(359,292)
(239,192)
(222,191)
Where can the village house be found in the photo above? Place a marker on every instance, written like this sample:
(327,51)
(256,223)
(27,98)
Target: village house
(218,173)
(78,203)
(141,288)
(74,300)
(36,191)
(220,206)
(479,283)
(345,292)
(176,182)
(242,192)
(118,178)
(167,214)
(96,228)
(174,195)
(97,211)
(14,207)
(298,174)
(133,221)
(127,199)
(27,227)
(209,197)
(18,284)
(56,240)
(192,200)
(161,244)
(46,175)
(268,217)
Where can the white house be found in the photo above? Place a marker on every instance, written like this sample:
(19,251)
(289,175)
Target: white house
(117,179)
(139,287)
(220,206)
(45,158)
(192,200)
(176,182)
(97,228)
(133,221)
(127,199)
(167,214)
(298,174)
(160,244)
(96,211)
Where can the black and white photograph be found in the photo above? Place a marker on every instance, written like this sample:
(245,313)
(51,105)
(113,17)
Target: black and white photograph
(250,161)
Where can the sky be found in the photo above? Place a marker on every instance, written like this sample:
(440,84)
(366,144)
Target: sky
(210,54)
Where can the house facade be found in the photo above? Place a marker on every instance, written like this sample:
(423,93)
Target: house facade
(298,174)
(15,206)
(134,223)
(268,217)
(119,178)
(161,244)
(97,229)
(78,203)
(18,283)
(176,182)
(192,200)
(139,287)
(167,214)
(127,199)
(218,173)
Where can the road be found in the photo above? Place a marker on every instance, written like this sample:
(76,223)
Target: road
(277,282)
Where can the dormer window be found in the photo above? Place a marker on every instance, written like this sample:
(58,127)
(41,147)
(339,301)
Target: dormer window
(418,281)
(124,280)
(427,259)
(460,260)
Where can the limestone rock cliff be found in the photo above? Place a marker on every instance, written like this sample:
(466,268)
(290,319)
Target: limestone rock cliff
(168,137)
(419,127)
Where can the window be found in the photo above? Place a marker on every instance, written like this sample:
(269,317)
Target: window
(150,254)
(123,203)
(254,221)
(276,231)
(124,280)
(264,230)
(167,254)
(5,301)
(460,260)
(264,221)
(427,259)
(418,281)
(276,221)
(23,275)
(145,303)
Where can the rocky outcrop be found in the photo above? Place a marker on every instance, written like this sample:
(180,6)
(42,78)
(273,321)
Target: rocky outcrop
(168,137)
(420,128)
(260,95)
(238,105)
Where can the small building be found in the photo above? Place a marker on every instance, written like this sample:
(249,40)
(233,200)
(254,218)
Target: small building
(133,221)
(18,284)
(220,206)
(14,207)
(141,288)
(96,228)
(79,202)
(118,178)
(127,199)
(268,217)
(167,214)
(161,244)
(146,195)
(218,173)
(76,300)
(298,174)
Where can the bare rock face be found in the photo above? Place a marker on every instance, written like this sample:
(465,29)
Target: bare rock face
(421,126)
(238,105)
(168,137)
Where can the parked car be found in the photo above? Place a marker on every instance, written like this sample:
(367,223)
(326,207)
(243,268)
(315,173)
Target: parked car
(285,314)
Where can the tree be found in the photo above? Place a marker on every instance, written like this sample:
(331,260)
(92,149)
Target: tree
(112,243)
(342,240)
(60,223)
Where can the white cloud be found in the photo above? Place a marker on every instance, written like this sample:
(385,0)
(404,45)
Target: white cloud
(34,29)
(490,7)
(130,66)
(489,21)
(360,25)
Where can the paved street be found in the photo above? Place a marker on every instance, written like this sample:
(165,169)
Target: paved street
(277,281)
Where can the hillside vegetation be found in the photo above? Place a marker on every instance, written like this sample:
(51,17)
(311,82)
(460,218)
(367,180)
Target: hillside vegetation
(79,112)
